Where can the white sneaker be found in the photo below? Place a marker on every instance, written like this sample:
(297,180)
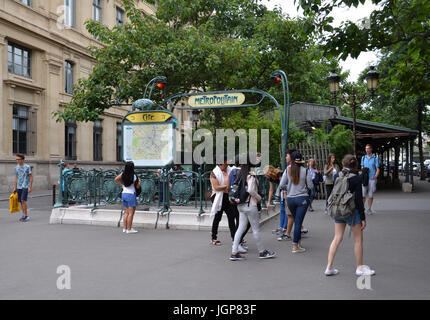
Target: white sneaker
(298,250)
(370,212)
(364,271)
(123,230)
(131,231)
(331,272)
(241,249)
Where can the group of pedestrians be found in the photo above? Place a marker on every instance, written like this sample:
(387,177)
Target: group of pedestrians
(243,216)
(297,186)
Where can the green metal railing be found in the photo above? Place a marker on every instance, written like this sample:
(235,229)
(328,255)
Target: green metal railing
(97,188)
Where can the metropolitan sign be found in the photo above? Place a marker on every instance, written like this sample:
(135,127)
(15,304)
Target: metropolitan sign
(216,100)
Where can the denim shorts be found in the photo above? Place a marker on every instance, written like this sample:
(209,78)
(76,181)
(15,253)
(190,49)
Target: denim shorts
(129,200)
(357,219)
(22,194)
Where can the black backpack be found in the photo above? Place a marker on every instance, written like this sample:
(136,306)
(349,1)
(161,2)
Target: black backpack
(238,192)
(318,179)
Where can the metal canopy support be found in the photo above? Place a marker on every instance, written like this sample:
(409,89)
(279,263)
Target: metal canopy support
(406,167)
(396,165)
(411,167)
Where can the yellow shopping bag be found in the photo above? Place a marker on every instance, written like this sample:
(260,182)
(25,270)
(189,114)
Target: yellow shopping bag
(13,203)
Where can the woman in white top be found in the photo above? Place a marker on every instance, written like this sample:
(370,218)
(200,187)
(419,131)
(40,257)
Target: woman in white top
(127,182)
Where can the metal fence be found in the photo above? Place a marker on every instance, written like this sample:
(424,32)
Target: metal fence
(159,190)
(319,152)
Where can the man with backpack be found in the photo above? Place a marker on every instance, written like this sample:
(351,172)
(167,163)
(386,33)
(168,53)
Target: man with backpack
(345,206)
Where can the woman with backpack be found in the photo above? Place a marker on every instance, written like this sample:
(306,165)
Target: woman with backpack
(129,182)
(299,184)
(357,220)
(248,212)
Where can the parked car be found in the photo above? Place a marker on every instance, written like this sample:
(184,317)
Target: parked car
(415,167)
(391,166)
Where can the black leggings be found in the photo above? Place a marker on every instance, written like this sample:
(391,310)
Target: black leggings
(231,213)
(329,188)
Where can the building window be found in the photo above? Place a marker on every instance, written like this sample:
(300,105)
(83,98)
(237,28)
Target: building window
(97,139)
(70,13)
(70,141)
(119,17)
(27,2)
(19,60)
(20,129)
(98,10)
(118,142)
(68,77)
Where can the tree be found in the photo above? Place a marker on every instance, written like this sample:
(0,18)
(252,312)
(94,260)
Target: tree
(401,29)
(206,44)
(339,139)
(395,104)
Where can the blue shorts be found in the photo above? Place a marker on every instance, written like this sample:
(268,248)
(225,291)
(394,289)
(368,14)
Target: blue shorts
(129,200)
(357,219)
(22,194)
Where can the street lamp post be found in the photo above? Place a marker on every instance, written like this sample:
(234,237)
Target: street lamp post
(280,76)
(372,79)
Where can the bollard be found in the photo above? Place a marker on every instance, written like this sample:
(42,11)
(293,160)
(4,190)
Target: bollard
(53,194)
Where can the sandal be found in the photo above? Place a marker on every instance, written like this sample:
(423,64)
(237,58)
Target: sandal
(216,242)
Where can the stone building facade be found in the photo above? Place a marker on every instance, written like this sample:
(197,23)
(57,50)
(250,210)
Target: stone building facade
(43,51)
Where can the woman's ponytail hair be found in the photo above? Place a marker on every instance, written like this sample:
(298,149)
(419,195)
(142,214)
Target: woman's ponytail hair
(350,162)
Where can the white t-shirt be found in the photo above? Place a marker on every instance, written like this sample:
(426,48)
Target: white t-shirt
(130,189)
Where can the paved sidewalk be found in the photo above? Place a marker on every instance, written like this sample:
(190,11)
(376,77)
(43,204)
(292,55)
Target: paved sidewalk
(175,264)
(34,194)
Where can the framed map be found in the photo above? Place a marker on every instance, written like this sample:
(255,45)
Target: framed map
(149,144)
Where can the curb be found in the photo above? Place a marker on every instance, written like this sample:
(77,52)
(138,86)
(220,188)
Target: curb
(30,197)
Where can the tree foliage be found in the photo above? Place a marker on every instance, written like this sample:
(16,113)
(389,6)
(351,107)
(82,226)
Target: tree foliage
(202,44)
(340,140)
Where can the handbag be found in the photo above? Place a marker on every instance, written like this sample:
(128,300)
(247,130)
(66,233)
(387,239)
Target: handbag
(138,190)
(13,203)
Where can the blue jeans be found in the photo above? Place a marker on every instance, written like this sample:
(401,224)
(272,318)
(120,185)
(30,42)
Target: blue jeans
(283,216)
(298,207)
(312,196)
(356,216)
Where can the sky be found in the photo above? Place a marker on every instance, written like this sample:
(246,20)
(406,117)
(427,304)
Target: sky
(355,66)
